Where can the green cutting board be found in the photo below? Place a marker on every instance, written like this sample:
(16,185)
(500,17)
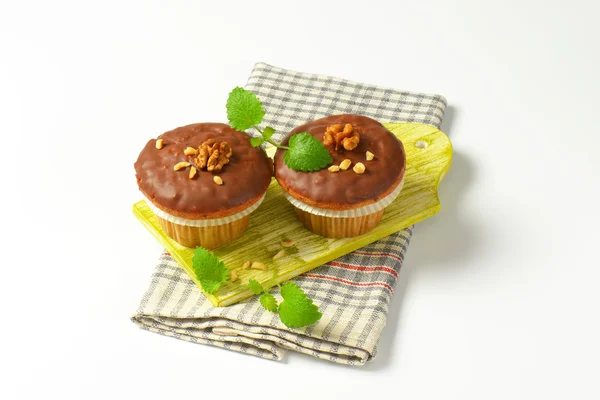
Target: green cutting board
(428,158)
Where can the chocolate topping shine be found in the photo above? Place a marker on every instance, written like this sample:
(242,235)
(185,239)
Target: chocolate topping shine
(245,178)
(345,190)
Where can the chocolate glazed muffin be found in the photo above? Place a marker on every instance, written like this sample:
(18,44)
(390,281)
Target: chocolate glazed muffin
(348,198)
(202,181)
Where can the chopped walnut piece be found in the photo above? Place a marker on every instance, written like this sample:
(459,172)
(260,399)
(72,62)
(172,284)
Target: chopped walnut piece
(181,165)
(213,160)
(287,243)
(218,180)
(213,155)
(193,171)
(359,168)
(330,132)
(369,155)
(350,143)
(344,165)
(347,136)
(159,144)
(190,151)
(246,265)
(233,276)
(333,168)
(204,152)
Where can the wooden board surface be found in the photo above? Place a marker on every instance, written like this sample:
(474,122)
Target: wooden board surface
(275,220)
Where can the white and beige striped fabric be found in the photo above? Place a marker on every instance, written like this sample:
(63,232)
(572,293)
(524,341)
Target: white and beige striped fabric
(353,292)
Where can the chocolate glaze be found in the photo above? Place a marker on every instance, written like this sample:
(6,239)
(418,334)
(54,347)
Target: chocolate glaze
(345,189)
(246,177)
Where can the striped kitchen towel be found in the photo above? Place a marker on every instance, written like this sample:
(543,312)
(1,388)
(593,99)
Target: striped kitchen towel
(353,292)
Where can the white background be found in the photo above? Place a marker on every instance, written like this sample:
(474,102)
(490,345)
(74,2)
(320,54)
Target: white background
(498,296)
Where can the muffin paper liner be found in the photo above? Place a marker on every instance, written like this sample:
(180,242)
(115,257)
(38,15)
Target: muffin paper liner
(209,237)
(356,212)
(339,227)
(204,222)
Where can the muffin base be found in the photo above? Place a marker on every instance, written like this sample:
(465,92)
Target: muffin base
(209,237)
(336,228)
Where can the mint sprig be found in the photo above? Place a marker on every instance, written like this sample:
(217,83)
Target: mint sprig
(306,153)
(209,270)
(303,153)
(295,311)
(268,301)
(244,110)
(255,286)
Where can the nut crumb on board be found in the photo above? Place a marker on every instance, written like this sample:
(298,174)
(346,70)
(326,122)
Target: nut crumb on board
(258,265)
(279,255)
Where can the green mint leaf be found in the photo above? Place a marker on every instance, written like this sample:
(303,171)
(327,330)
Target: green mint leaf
(256,141)
(306,153)
(209,270)
(255,286)
(269,302)
(268,132)
(244,109)
(297,310)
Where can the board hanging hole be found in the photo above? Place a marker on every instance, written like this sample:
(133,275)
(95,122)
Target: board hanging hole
(421,144)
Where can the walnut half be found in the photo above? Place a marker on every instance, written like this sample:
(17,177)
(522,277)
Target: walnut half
(213,155)
(347,136)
